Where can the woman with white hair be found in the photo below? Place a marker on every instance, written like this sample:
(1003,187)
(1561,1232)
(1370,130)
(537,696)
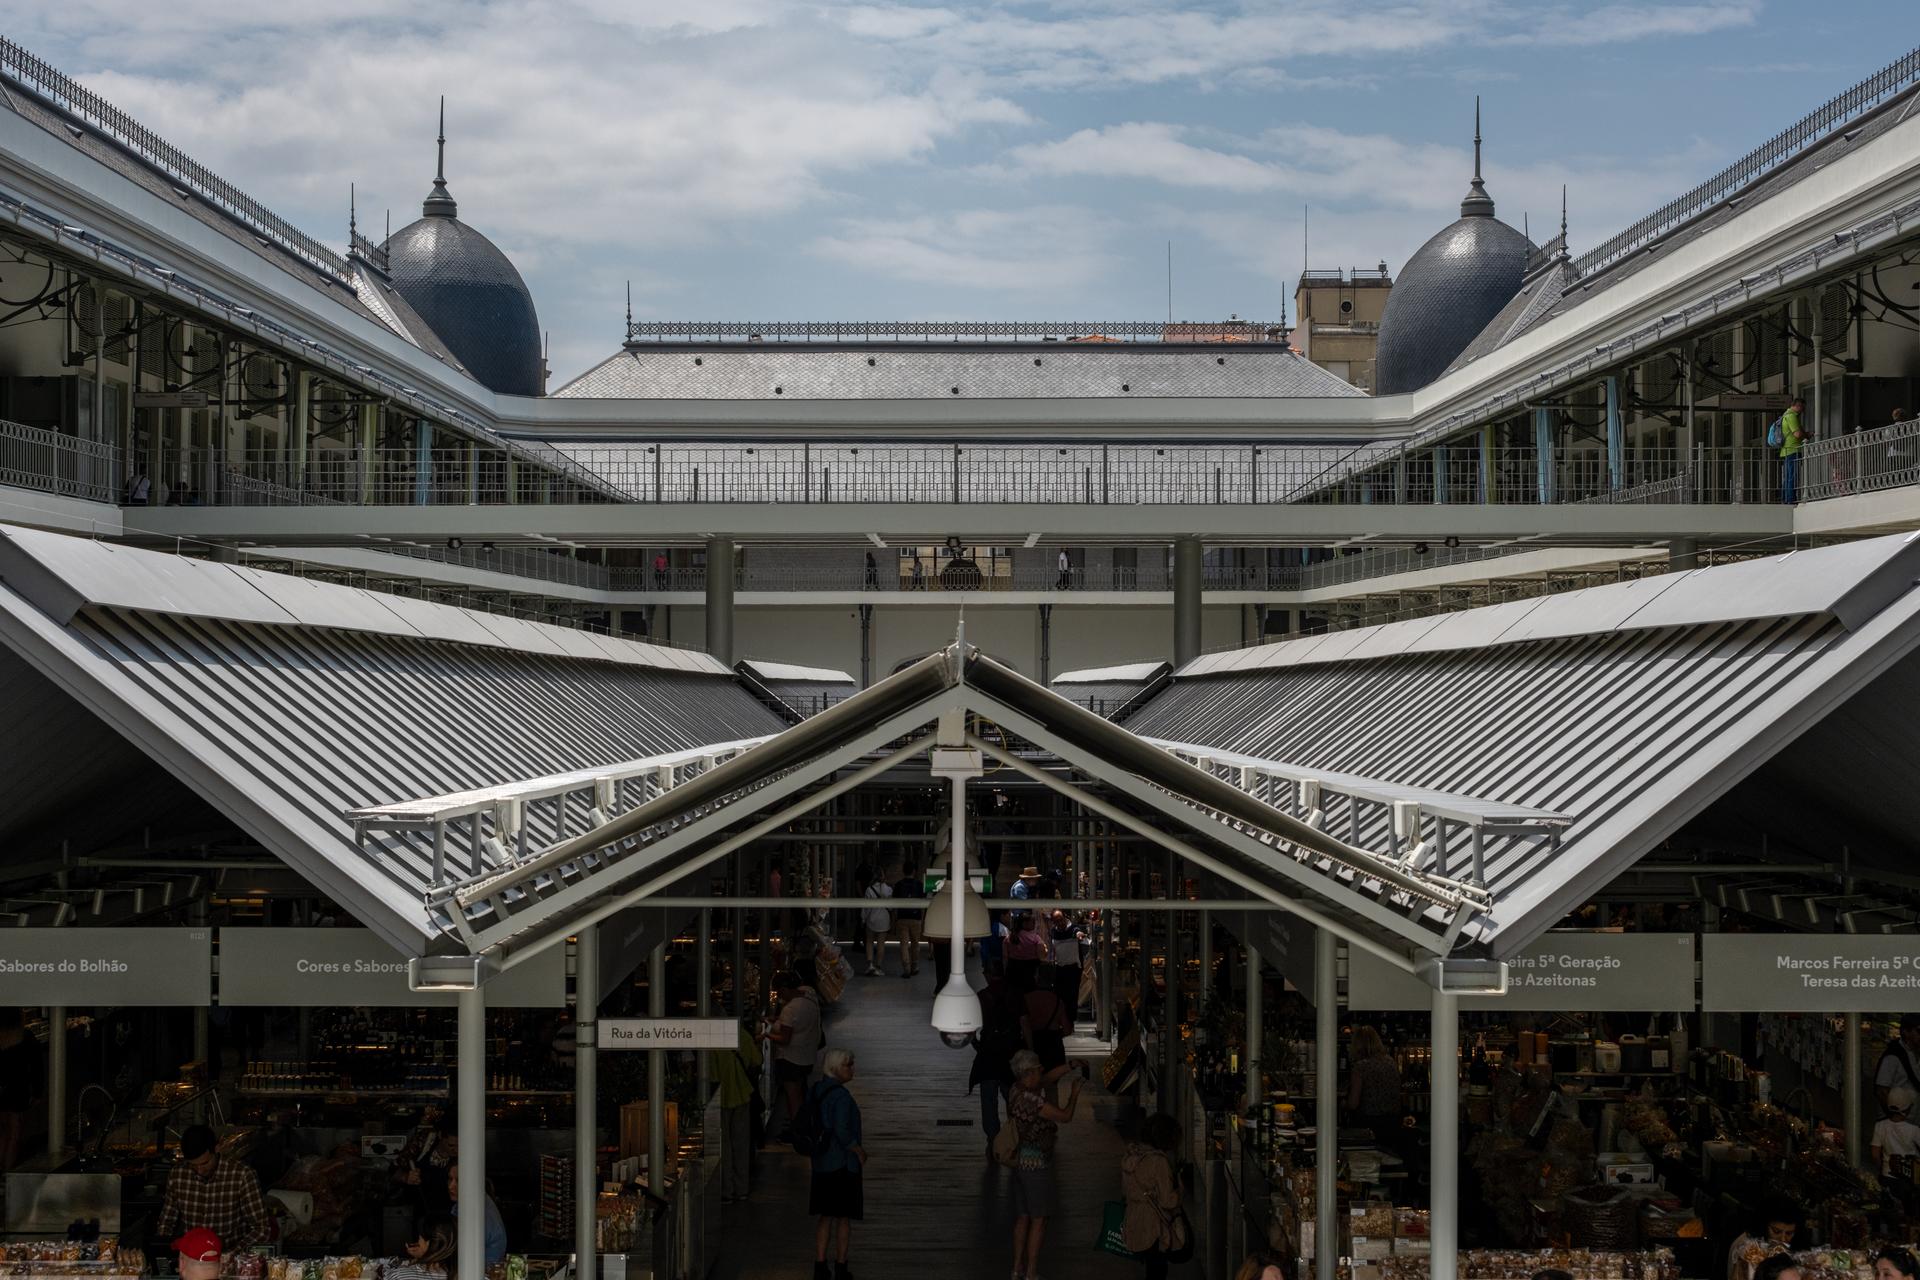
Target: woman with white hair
(1038,1122)
(832,1119)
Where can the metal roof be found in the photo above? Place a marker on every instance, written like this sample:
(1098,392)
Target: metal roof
(786,671)
(286,704)
(1131,672)
(1402,913)
(944,371)
(796,692)
(472,296)
(1628,708)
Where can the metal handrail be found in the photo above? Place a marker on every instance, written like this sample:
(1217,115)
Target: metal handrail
(51,461)
(46,81)
(1763,159)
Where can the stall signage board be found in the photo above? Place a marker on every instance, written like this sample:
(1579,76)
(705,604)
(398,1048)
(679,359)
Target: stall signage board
(310,968)
(1809,973)
(106,966)
(669,1033)
(1563,972)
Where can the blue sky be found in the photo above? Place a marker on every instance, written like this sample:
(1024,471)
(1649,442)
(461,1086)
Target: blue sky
(758,159)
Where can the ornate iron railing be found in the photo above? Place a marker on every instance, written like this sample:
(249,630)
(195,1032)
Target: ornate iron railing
(70,96)
(641,331)
(1762,160)
(55,462)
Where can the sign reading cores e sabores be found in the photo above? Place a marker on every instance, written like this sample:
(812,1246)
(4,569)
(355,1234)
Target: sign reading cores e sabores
(106,966)
(1809,973)
(310,968)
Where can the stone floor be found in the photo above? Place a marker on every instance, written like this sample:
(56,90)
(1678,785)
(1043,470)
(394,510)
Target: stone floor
(936,1209)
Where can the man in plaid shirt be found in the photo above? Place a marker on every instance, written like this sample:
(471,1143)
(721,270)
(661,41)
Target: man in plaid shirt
(206,1189)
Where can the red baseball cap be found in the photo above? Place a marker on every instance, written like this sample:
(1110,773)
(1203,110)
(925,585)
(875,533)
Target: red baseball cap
(198,1245)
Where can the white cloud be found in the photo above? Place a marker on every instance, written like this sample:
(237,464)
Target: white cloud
(1041,250)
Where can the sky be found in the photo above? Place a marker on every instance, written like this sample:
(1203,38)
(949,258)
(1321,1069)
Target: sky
(768,160)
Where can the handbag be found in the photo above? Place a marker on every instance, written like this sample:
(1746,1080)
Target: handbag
(1006,1143)
(1113,1222)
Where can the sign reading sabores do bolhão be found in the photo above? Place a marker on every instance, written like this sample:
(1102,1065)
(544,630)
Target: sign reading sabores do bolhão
(1809,973)
(81,966)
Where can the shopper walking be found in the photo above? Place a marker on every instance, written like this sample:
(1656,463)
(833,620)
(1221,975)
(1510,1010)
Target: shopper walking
(795,1034)
(909,923)
(1038,1123)
(878,922)
(1044,1024)
(1026,951)
(836,1196)
(1792,440)
(1065,579)
(1067,941)
(1156,1227)
(1373,1084)
(873,573)
(994,1045)
(735,1075)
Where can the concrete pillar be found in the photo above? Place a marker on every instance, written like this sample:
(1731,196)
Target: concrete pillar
(1616,438)
(586,1091)
(1544,470)
(1444,1172)
(422,463)
(1326,1066)
(302,426)
(1683,553)
(1189,570)
(720,599)
(470,1110)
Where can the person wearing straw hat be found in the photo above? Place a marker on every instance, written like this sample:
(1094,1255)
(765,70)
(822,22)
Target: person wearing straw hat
(1023,887)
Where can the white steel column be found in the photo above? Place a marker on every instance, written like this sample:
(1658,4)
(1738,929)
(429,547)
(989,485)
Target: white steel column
(703,975)
(470,1109)
(1850,1102)
(1326,1094)
(586,1096)
(57,1079)
(657,1075)
(1444,1171)
(1256,1012)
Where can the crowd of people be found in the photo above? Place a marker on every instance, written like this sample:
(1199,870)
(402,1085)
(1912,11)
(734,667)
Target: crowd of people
(1037,965)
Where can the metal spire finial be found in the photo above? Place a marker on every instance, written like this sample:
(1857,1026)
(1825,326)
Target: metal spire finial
(1478,203)
(439,202)
(1563,213)
(353,221)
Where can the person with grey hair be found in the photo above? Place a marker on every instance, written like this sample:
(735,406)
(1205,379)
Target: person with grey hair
(1038,1122)
(835,1196)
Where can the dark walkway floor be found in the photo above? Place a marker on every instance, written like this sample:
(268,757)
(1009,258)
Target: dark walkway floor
(935,1208)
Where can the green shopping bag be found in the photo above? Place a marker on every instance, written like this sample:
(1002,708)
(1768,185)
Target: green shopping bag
(1113,1217)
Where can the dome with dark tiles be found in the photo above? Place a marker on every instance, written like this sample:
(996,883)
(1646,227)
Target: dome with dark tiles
(469,292)
(1449,290)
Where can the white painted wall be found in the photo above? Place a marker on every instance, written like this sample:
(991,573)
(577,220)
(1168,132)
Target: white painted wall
(810,637)
(1010,634)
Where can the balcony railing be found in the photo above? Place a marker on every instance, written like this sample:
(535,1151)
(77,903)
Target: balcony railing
(1864,461)
(55,462)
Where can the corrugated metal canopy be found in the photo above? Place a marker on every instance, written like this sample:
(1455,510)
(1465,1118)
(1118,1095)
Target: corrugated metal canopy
(285,708)
(1629,708)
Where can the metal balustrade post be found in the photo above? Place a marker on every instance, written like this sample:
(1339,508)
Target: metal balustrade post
(956,475)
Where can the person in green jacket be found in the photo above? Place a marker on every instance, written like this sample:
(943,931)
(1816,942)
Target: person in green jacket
(1792,440)
(735,1073)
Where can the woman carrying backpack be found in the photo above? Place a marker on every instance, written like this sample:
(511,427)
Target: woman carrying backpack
(879,923)
(827,1132)
(1156,1227)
